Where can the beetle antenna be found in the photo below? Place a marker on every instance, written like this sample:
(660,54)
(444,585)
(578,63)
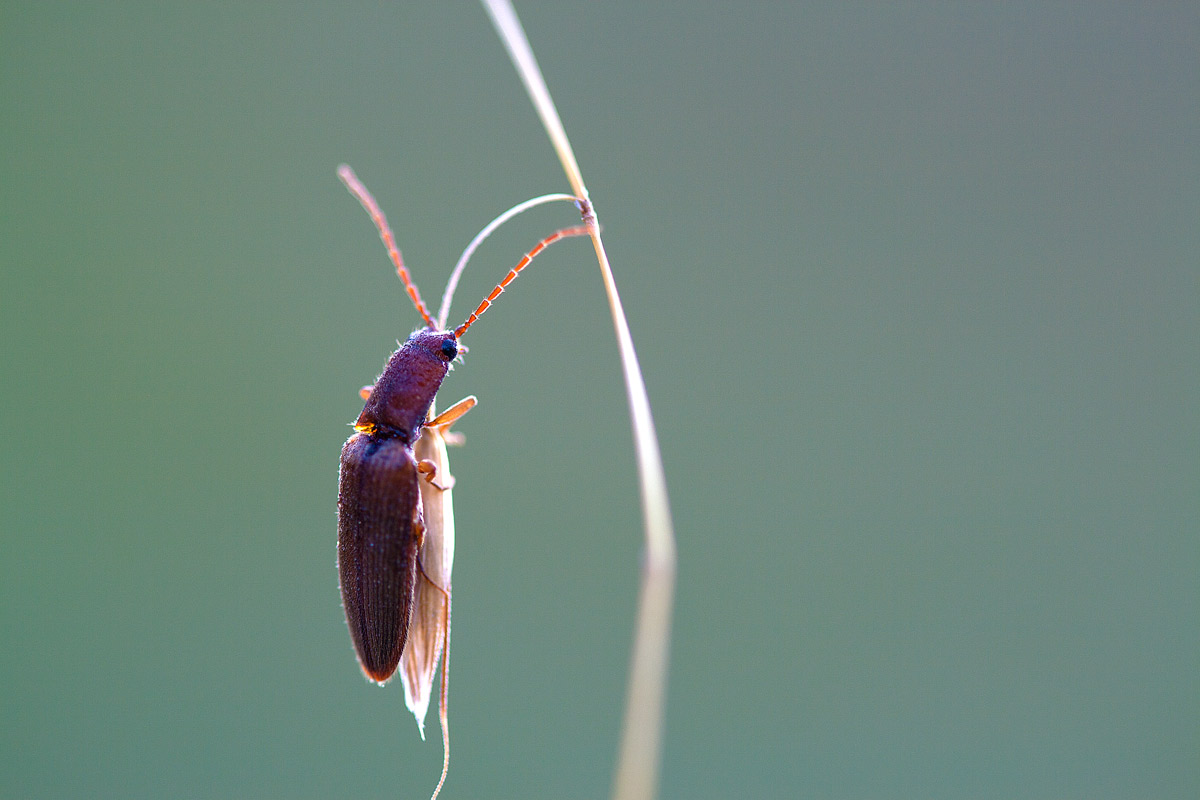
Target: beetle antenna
(385,233)
(578,230)
(452,284)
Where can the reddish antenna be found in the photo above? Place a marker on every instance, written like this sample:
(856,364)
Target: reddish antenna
(385,233)
(452,284)
(578,230)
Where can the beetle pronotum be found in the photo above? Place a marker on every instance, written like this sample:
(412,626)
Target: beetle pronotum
(395,521)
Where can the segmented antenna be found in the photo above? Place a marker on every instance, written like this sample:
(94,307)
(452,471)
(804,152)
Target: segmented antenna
(578,230)
(452,284)
(385,233)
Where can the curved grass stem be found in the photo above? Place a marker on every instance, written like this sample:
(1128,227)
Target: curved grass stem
(636,776)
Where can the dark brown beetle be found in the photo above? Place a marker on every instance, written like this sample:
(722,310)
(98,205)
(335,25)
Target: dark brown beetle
(379,512)
(380,524)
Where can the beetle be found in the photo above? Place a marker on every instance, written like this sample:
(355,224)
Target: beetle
(381,523)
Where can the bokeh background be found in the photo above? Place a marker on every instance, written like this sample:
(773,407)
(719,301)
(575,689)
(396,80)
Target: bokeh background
(915,289)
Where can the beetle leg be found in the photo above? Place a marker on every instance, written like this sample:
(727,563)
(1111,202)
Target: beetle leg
(429,469)
(450,415)
(432,582)
(419,530)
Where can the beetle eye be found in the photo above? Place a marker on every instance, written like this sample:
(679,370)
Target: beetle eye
(449,349)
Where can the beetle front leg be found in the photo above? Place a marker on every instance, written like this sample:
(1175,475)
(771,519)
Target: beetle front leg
(444,420)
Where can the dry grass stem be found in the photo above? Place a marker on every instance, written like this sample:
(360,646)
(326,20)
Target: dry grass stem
(429,630)
(638,757)
(426,635)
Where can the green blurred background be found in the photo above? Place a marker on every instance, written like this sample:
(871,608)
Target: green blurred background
(915,289)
